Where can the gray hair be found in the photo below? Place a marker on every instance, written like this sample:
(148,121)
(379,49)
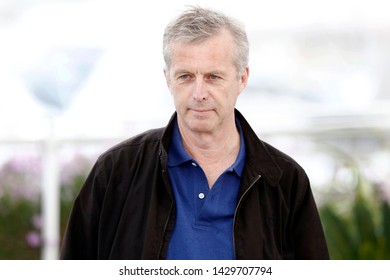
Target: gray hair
(198,24)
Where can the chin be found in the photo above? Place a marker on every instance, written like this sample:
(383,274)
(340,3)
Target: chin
(201,126)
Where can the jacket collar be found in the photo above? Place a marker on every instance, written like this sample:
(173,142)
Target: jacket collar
(258,157)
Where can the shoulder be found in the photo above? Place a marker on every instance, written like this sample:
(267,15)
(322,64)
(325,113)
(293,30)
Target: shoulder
(151,136)
(281,158)
(276,165)
(293,177)
(289,166)
(146,143)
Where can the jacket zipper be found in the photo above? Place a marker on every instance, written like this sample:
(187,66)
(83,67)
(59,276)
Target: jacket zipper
(237,208)
(165,231)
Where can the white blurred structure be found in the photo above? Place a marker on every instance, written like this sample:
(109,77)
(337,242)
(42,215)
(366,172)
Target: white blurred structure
(319,71)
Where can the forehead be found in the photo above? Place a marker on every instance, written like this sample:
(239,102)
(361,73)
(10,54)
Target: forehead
(217,50)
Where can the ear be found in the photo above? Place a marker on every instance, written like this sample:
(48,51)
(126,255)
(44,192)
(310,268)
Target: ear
(244,79)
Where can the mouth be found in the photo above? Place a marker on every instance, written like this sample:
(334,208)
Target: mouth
(202,110)
(201,113)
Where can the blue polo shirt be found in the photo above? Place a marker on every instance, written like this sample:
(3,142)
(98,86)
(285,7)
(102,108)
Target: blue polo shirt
(204,217)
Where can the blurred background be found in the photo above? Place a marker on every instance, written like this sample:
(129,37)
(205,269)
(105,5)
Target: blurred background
(78,76)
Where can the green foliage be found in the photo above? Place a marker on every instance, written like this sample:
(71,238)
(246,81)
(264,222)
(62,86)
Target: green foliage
(20,217)
(363,232)
(68,194)
(17,224)
(16,220)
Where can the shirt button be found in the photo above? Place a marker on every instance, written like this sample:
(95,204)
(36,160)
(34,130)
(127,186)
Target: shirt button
(201,195)
(194,164)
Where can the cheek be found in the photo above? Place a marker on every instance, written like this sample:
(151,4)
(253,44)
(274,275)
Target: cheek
(231,101)
(179,93)
(178,101)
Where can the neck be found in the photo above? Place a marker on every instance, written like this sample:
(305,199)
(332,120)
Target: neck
(211,146)
(215,152)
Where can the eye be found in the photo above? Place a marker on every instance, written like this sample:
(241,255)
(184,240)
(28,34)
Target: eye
(184,77)
(213,77)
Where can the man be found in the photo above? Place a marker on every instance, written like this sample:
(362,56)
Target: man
(205,186)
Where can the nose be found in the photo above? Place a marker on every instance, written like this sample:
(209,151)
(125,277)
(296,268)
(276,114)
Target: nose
(200,90)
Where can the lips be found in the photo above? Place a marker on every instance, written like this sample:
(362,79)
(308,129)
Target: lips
(201,110)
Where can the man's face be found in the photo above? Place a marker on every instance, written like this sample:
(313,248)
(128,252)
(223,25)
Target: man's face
(204,83)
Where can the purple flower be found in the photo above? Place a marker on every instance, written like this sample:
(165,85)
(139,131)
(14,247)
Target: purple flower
(20,178)
(33,239)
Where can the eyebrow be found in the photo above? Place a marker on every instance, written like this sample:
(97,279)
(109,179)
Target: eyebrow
(183,71)
(179,72)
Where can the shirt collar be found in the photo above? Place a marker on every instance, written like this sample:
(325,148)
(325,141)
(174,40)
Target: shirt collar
(178,155)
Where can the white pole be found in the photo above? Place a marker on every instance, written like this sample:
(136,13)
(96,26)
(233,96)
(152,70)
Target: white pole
(50,196)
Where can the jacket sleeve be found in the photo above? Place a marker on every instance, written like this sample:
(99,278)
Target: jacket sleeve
(81,235)
(307,232)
